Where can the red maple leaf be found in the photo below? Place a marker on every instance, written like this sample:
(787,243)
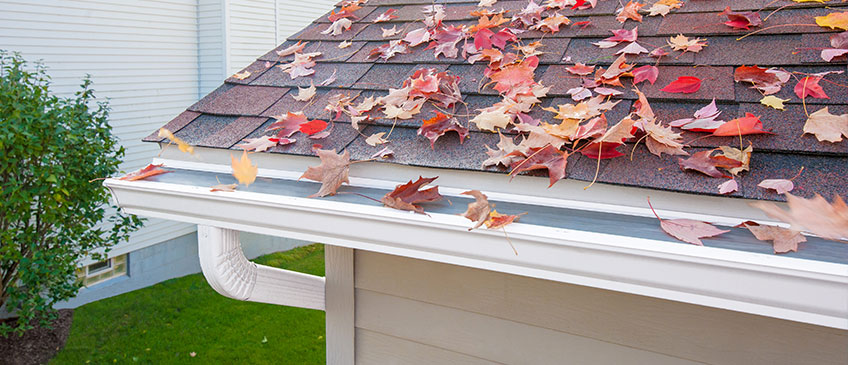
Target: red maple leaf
(546,157)
(683,84)
(405,196)
(749,124)
(437,126)
(742,19)
(809,86)
(313,127)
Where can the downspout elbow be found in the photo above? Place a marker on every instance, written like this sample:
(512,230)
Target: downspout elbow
(232,275)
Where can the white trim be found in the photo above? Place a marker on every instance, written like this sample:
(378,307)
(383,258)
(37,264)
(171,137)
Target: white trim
(340,307)
(775,286)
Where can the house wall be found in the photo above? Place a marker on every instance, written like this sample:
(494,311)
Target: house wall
(414,311)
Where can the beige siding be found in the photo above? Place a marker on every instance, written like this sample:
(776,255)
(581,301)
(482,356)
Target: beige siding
(497,317)
(142,56)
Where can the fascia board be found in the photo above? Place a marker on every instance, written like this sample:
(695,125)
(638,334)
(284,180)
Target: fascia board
(780,287)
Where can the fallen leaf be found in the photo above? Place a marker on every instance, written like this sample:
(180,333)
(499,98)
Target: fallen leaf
(312,127)
(384,153)
(331,173)
(809,86)
(727,187)
(386,16)
(629,11)
(376,139)
(295,48)
(827,127)
(388,32)
(504,154)
(662,139)
(224,187)
(389,50)
(288,124)
(683,43)
(688,230)
(781,186)
(767,80)
(774,102)
(182,145)
(742,19)
(834,20)
(258,144)
(743,156)
(683,84)
(783,239)
(749,124)
(328,81)
(580,69)
(243,170)
(405,196)
(546,157)
(305,93)
(241,75)
(497,220)
(338,26)
(478,210)
(703,162)
(437,126)
(704,120)
(147,171)
(345,44)
(644,73)
(816,215)
(491,120)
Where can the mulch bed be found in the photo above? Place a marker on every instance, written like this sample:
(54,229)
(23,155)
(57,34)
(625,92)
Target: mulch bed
(38,345)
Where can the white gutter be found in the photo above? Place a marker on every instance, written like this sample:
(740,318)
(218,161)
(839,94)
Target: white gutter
(230,273)
(776,286)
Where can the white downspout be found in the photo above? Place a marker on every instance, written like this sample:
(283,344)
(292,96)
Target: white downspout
(230,273)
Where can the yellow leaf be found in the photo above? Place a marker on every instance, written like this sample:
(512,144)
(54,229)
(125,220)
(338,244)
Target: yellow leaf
(774,102)
(244,170)
(834,20)
(184,147)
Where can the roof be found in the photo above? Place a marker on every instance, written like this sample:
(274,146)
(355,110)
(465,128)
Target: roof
(244,108)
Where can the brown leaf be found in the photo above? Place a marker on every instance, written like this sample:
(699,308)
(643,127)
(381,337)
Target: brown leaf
(147,171)
(815,215)
(497,220)
(478,211)
(703,162)
(405,196)
(783,239)
(662,139)
(548,158)
(224,187)
(743,156)
(331,173)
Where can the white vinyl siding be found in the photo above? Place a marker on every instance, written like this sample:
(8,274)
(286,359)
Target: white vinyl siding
(142,56)
(439,313)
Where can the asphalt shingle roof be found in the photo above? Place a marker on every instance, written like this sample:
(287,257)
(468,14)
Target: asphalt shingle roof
(244,108)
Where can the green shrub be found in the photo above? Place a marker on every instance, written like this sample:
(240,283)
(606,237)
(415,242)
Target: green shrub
(53,210)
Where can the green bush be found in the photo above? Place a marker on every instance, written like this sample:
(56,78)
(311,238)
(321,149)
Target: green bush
(53,209)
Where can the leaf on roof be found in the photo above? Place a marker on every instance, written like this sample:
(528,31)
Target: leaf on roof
(839,42)
(580,69)
(683,84)
(827,127)
(417,37)
(389,50)
(683,43)
(491,120)
(783,239)
(386,16)
(437,126)
(406,196)
(780,186)
(288,124)
(619,35)
(661,139)
(834,20)
(688,230)
(313,126)
(552,23)
(345,12)
(241,75)
(548,157)
(258,144)
(330,80)
(632,49)
(383,153)
(531,14)
(332,172)
(769,81)
(629,11)
(503,155)
(301,65)
(444,40)
(338,26)
(434,14)
(295,48)
(816,215)
(749,124)
(345,44)
(742,156)
(773,102)
(486,3)
(728,187)
(388,32)
(243,169)
(662,7)
(809,86)
(705,163)
(742,19)
(143,173)
(704,120)
(305,93)
(376,139)
(182,145)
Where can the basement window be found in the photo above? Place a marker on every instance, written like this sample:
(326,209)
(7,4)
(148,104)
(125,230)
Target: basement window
(101,271)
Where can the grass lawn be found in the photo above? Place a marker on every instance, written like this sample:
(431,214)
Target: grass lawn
(170,321)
